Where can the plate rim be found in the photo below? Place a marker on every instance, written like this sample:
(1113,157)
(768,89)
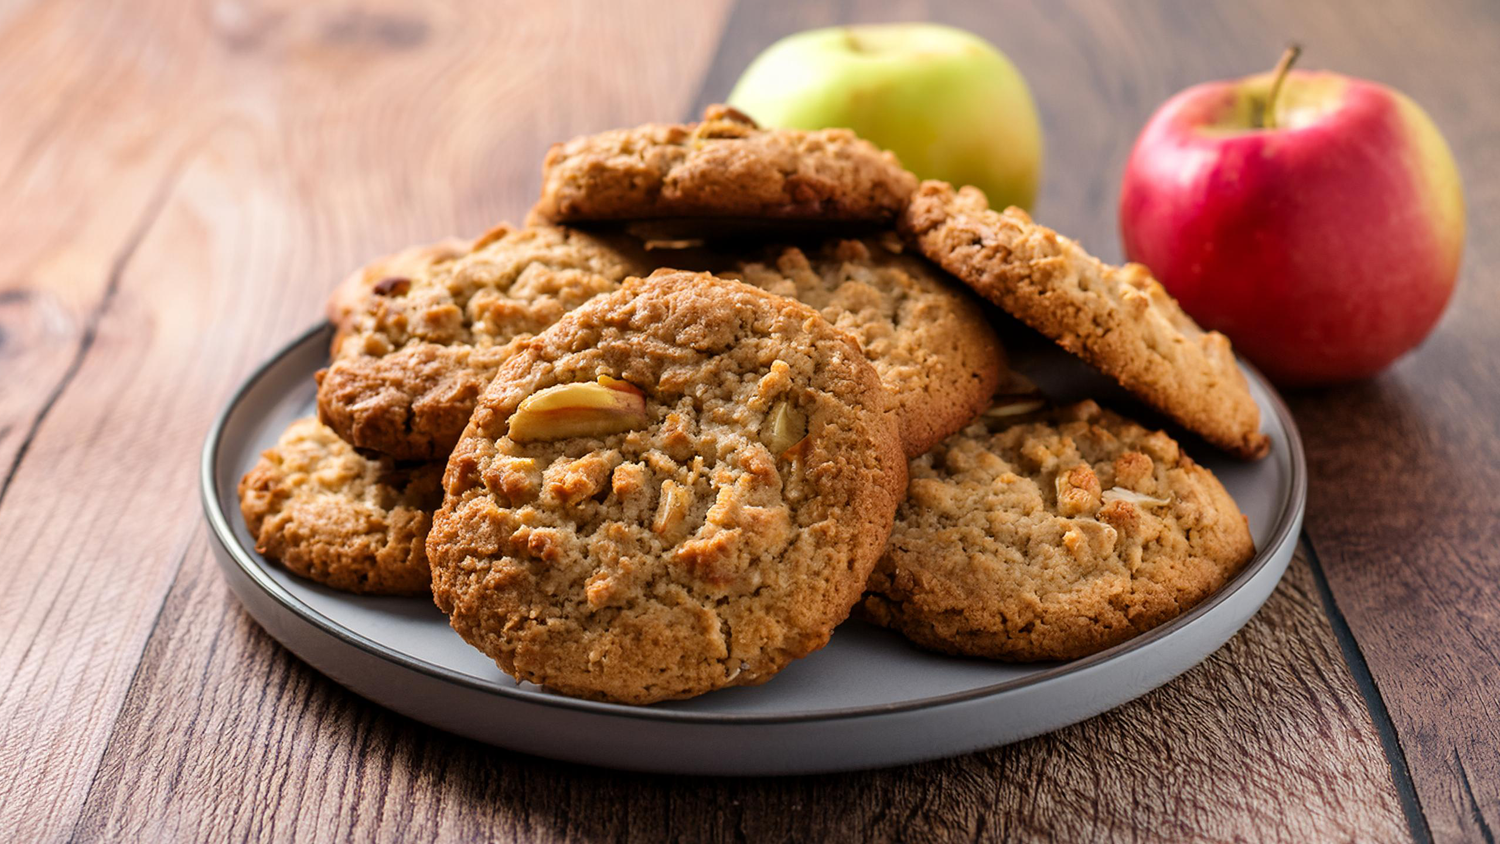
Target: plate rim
(1284,526)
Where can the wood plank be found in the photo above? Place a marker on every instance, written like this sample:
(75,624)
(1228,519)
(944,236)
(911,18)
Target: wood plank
(195,179)
(225,736)
(75,210)
(288,754)
(1405,469)
(61,264)
(1420,587)
(183,187)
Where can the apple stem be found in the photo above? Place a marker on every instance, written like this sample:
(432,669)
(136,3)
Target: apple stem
(1288,56)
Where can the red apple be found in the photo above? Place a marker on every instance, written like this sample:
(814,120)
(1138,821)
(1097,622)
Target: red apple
(1322,233)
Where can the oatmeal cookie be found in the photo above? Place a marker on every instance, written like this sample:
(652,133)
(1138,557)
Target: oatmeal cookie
(382,277)
(678,487)
(1053,535)
(723,167)
(1119,319)
(409,363)
(346,521)
(924,332)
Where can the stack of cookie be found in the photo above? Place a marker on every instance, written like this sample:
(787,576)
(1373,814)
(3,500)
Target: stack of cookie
(638,452)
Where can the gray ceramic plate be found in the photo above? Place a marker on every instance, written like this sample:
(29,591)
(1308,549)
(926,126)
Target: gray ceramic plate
(867,700)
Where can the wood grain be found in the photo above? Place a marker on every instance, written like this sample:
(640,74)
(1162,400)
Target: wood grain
(1266,741)
(1405,469)
(183,184)
(179,186)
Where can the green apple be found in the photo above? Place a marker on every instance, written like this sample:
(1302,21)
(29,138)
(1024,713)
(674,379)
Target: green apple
(945,101)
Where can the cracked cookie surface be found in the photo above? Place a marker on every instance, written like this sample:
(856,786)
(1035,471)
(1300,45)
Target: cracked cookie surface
(344,520)
(722,523)
(384,277)
(414,349)
(1119,319)
(926,336)
(722,167)
(1054,536)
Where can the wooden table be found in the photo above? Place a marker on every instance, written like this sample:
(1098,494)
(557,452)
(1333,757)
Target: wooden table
(182,184)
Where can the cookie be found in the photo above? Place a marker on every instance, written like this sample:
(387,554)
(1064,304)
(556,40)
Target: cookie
(925,334)
(343,520)
(410,361)
(723,167)
(679,487)
(1119,319)
(1053,535)
(385,275)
